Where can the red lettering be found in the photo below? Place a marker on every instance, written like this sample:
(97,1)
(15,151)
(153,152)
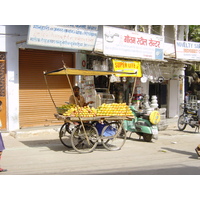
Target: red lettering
(129,39)
(126,65)
(142,41)
(154,43)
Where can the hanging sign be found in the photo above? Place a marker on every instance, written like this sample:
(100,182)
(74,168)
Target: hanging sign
(188,50)
(127,66)
(81,37)
(132,44)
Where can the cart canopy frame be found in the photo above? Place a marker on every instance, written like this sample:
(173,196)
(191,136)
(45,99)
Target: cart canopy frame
(65,70)
(83,72)
(73,71)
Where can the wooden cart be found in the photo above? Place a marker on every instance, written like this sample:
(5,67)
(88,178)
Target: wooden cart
(85,133)
(105,130)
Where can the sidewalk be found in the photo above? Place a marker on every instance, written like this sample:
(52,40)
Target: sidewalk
(25,132)
(172,122)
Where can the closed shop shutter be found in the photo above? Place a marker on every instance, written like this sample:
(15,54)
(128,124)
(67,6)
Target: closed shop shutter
(35,105)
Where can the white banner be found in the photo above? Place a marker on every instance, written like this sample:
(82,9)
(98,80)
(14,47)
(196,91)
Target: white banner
(188,50)
(81,37)
(132,44)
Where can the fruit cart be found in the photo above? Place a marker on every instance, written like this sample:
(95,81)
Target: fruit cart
(84,132)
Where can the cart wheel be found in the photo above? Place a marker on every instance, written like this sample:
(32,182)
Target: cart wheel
(113,136)
(65,135)
(181,122)
(79,139)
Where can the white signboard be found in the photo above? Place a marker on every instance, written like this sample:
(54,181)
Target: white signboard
(81,37)
(132,44)
(188,50)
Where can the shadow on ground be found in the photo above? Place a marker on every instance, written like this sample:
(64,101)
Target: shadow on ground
(55,145)
(192,155)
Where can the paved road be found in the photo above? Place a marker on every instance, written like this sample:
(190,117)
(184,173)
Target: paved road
(172,154)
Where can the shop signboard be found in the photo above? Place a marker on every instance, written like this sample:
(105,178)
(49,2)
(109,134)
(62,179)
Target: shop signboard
(127,66)
(132,44)
(80,37)
(188,50)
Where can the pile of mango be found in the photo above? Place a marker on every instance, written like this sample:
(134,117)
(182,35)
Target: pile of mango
(85,111)
(114,109)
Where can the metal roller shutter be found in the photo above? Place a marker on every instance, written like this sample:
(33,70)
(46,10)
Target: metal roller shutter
(35,105)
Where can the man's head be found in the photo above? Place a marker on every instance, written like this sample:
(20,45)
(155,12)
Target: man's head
(76,90)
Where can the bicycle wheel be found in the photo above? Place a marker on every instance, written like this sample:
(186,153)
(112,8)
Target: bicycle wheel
(181,123)
(113,136)
(79,140)
(65,135)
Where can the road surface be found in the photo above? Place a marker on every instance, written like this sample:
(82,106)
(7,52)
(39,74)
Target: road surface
(172,154)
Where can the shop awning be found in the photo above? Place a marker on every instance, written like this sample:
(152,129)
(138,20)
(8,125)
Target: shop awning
(84,72)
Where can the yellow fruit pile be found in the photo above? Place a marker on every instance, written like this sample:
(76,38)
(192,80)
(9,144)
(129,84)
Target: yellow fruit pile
(114,109)
(85,111)
(68,106)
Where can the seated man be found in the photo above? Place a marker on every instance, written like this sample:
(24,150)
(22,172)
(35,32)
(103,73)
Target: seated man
(80,100)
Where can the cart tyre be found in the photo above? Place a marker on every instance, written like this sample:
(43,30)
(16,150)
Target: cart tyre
(65,135)
(79,141)
(116,141)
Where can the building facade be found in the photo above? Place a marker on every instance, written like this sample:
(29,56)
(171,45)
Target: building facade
(24,91)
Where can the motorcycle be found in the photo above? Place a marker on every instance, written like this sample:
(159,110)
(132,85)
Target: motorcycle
(188,117)
(144,125)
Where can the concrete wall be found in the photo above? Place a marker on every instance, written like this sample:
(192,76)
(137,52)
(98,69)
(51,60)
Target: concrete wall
(13,34)
(10,36)
(169,34)
(174,98)
(2,38)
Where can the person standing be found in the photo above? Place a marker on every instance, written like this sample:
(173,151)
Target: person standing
(2,147)
(186,97)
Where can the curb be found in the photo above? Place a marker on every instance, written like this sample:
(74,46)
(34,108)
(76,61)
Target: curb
(26,132)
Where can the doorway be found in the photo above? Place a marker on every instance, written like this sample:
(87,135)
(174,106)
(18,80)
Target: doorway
(35,105)
(160,90)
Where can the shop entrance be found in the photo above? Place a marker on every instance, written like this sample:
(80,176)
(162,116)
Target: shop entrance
(3,89)
(160,90)
(35,105)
